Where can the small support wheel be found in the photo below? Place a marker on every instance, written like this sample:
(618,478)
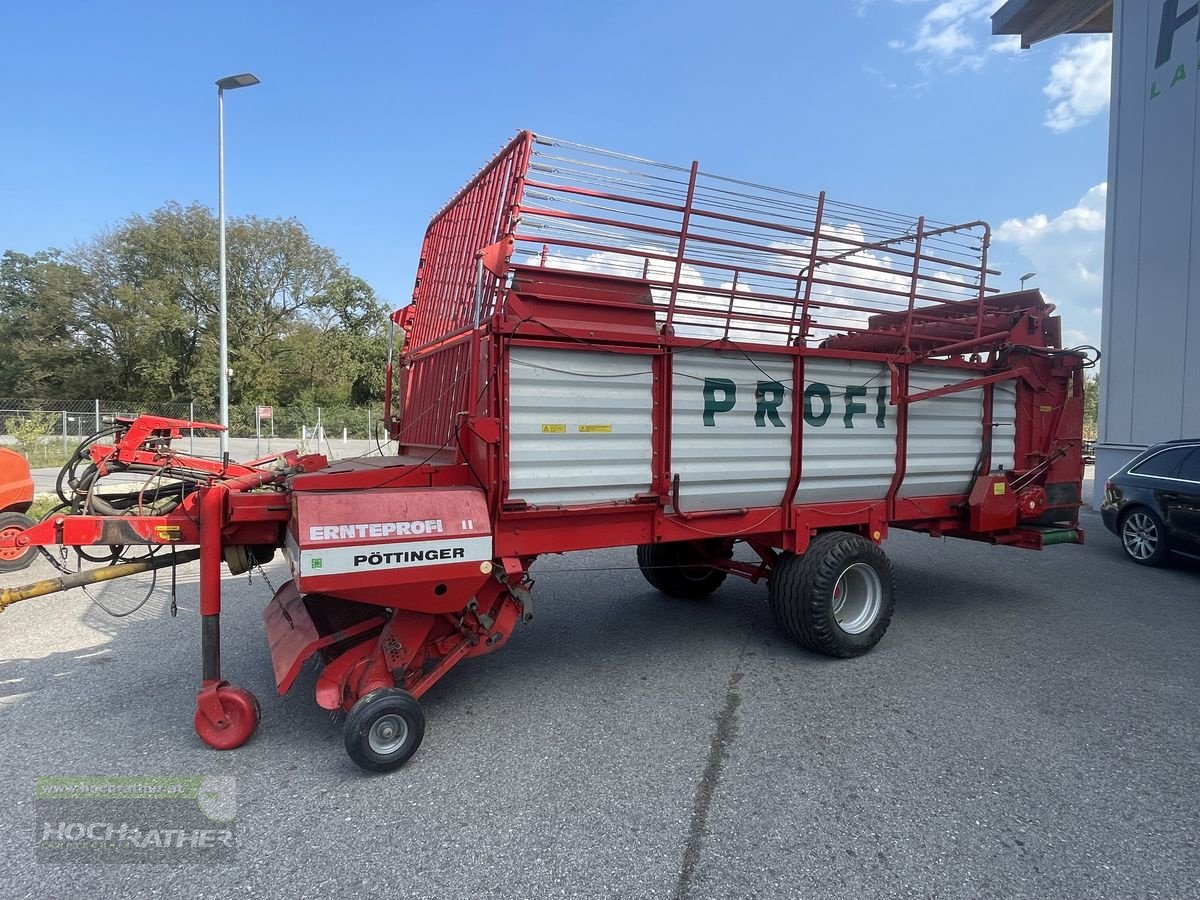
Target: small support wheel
(12,524)
(384,729)
(226,716)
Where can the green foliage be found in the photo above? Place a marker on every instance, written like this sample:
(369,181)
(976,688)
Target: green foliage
(30,431)
(1091,405)
(133,313)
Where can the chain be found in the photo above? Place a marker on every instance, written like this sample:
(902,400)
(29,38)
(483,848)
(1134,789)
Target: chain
(255,564)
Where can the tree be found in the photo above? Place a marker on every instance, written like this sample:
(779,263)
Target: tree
(1091,405)
(133,314)
(43,352)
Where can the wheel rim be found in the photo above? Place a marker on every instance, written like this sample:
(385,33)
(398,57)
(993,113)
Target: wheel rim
(857,598)
(387,734)
(1140,536)
(12,553)
(695,573)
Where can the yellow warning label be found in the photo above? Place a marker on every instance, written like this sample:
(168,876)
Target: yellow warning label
(167,533)
(554,429)
(596,429)
(998,488)
(1046,408)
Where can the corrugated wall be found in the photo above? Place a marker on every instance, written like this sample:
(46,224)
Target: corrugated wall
(945,434)
(580,429)
(728,460)
(579,426)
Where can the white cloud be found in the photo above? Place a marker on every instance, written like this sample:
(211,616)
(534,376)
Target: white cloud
(1006,43)
(1067,253)
(853,279)
(949,35)
(1079,83)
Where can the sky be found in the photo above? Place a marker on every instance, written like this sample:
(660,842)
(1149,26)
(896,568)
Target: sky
(371,115)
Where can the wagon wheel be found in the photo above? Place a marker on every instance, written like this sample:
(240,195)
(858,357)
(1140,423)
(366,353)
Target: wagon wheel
(836,599)
(684,568)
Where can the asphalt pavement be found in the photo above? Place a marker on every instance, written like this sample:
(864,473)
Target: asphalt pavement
(1027,728)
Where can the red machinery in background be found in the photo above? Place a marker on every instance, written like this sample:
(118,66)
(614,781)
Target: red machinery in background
(16,496)
(603,351)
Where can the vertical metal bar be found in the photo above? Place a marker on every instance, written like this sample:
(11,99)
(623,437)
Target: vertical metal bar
(985,454)
(97,415)
(223,307)
(912,289)
(812,266)
(981,303)
(900,375)
(668,328)
(212,509)
(191,431)
(387,379)
(797,448)
(64,431)
(732,294)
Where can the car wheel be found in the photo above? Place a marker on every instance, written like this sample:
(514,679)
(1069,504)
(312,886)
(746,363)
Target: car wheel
(1144,536)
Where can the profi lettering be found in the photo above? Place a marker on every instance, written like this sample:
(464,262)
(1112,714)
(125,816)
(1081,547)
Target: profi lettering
(768,397)
(818,404)
(720,396)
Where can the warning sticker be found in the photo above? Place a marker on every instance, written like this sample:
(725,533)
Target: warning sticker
(998,488)
(596,429)
(554,429)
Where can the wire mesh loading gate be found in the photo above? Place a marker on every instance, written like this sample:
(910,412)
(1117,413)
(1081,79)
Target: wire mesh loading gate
(723,259)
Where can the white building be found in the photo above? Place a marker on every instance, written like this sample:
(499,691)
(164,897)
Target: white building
(1150,376)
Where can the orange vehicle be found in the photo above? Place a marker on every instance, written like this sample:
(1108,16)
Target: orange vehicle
(16,496)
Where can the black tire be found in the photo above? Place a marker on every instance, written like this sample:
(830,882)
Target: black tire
(682,569)
(15,562)
(384,729)
(1143,536)
(803,601)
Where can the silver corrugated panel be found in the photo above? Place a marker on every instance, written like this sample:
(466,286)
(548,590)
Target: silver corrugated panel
(1004,416)
(847,455)
(945,434)
(733,462)
(579,426)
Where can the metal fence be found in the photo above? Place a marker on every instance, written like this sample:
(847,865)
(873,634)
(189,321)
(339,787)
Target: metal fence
(55,424)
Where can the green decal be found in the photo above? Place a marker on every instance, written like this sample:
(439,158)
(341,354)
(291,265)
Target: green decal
(816,389)
(851,407)
(1180,75)
(1155,93)
(881,407)
(316,563)
(712,405)
(768,408)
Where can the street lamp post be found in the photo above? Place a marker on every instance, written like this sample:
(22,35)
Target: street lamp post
(1026,277)
(230,83)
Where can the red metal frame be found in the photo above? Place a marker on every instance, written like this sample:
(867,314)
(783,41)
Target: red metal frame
(558,245)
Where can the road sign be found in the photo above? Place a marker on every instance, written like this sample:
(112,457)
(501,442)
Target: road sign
(265,412)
